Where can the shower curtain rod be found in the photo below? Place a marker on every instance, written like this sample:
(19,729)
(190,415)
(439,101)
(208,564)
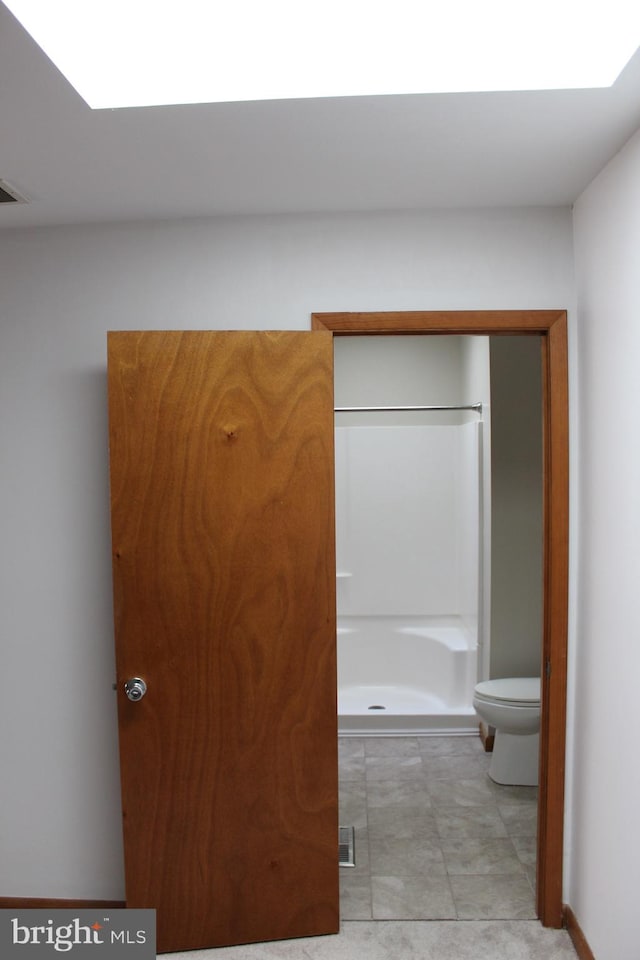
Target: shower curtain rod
(471,406)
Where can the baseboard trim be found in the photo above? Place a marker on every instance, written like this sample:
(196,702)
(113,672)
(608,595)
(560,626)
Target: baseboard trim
(487,738)
(578,938)
(31,903)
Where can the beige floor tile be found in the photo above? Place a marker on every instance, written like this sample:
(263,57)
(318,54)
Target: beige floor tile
(457,823)
(412,898)
(493,898)
(427,816)
(480,857)
(413,856)
(411,795)
(464,792)
(355,896)
(394,768)
(520,819)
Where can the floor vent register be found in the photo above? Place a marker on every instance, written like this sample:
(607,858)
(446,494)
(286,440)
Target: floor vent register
(347,846)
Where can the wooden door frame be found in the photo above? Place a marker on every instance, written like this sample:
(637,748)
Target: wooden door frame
(551,327)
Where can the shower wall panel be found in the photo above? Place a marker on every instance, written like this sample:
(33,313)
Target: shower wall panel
(407,520)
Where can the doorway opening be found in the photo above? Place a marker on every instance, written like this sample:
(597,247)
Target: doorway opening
(550,327)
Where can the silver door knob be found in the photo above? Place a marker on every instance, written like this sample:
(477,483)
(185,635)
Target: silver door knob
(135,688)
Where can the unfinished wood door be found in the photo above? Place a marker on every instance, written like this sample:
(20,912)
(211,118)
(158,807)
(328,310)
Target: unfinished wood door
(222,499)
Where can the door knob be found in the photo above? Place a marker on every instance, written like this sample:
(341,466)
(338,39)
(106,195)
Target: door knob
(135,688)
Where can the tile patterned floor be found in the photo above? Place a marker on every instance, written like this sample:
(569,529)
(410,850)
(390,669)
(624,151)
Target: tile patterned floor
(436,839)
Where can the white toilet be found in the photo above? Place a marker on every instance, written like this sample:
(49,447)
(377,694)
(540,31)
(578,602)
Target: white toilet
(512,706)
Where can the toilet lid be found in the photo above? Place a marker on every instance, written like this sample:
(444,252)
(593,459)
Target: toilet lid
(515,689)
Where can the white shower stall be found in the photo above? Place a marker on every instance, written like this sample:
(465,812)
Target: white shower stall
(408,568)
(409,539)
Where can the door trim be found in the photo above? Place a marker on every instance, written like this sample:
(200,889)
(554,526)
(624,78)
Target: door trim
(551,327)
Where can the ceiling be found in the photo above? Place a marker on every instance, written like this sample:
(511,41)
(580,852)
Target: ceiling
(351,154)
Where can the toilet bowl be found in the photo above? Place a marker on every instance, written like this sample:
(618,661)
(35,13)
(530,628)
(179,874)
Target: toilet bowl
(512,706)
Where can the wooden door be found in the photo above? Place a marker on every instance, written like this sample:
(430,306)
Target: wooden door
(222,499)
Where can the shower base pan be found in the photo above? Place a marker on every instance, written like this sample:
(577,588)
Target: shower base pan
(367,710)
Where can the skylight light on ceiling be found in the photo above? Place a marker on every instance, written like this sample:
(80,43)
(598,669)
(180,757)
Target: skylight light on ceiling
(121,53)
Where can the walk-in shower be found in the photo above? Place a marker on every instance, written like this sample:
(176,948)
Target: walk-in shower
(408,501)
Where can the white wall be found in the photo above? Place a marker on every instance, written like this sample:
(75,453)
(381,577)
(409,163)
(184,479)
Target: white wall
(402,370)
(516,506)
(605,869)
(60,290)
